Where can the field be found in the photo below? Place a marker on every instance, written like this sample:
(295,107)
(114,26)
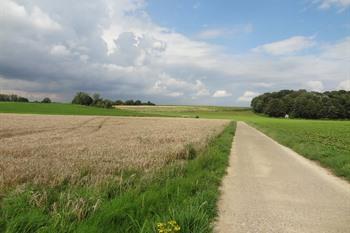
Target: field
(63,109)
(119,174)
(110,174)
(325,141)
(210,112)
(68,146)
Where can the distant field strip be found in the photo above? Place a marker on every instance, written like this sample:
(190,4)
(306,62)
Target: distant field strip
(49,149)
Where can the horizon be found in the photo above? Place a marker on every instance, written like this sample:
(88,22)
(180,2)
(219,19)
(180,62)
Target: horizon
(200,53)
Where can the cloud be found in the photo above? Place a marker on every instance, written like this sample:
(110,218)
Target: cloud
(116,49)
(212,33)
(221,94)
(287,46)
(247,96)
(59,50)
(11,12)
(326,4)
(344,85)
(315,86)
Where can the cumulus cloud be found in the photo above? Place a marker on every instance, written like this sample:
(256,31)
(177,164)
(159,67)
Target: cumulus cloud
(344,85)
(212,33)
(287,46)
(247,96)
(326,4)
(315,86)
(59,50)
(115,48)
(221,94)
(12,12)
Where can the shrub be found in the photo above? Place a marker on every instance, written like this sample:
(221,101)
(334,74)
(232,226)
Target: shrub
(46,100)
(82,98)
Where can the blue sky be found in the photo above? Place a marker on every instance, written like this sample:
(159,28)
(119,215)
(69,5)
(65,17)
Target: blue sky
(270,20)
(173,52)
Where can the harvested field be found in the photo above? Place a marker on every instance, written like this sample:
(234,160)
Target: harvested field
(91,149)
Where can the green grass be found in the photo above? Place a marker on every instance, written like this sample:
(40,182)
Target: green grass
(327,142)
(185,191)
(209,112)
(64,109)
(324,141)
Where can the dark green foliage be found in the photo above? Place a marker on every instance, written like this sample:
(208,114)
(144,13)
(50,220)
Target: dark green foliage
(82,98)
(119,102)
(12,98)
(303,104)
(46,100)
(132,102)
(184,192)
(96,101)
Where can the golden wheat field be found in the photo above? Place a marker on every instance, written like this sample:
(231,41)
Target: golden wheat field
(42,149)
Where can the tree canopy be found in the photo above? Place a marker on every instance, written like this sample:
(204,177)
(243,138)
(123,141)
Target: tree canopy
(304,104)
(12,98)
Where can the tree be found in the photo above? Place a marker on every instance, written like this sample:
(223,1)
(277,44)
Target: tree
(138,102)
(129,102)
(46,100)
(275,108)
(118,102)
(82,98)
(96,97)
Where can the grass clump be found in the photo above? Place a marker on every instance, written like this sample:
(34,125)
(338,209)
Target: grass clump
(182,196)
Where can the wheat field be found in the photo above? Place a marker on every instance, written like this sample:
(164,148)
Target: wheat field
(43,149)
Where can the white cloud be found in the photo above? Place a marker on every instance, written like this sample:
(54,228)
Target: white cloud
(221,94)
(13,12)
(287,46)
(212,33)
(344,85)
(114,48)
(247,96)
(315,86)
(59,50)
(326,4)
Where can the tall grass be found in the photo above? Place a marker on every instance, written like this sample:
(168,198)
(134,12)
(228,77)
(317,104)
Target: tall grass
(185,191)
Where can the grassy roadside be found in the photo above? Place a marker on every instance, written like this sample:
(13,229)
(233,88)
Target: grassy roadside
(185,192)
(326,142)
(64,109)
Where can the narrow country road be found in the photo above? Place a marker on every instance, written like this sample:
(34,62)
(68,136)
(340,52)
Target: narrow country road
(269,188)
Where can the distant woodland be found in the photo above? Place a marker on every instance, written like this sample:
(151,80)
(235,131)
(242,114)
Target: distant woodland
(304,104)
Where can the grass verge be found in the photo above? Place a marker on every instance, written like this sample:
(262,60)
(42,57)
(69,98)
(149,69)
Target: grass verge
(185,191)
(326,142)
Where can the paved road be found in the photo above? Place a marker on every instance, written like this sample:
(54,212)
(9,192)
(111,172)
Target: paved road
(270,188)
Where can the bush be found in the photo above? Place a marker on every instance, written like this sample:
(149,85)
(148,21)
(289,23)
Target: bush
(82,98)
(46,100)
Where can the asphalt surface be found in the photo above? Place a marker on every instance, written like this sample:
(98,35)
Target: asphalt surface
(270,188)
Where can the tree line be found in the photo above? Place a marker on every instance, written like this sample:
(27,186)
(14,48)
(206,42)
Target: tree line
(95,100)
(17,98)
(304,104)
(12,98)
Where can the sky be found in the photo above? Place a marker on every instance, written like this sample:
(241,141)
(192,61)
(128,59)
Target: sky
(199,52)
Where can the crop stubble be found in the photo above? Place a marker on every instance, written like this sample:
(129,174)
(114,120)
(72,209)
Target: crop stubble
(50,149)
